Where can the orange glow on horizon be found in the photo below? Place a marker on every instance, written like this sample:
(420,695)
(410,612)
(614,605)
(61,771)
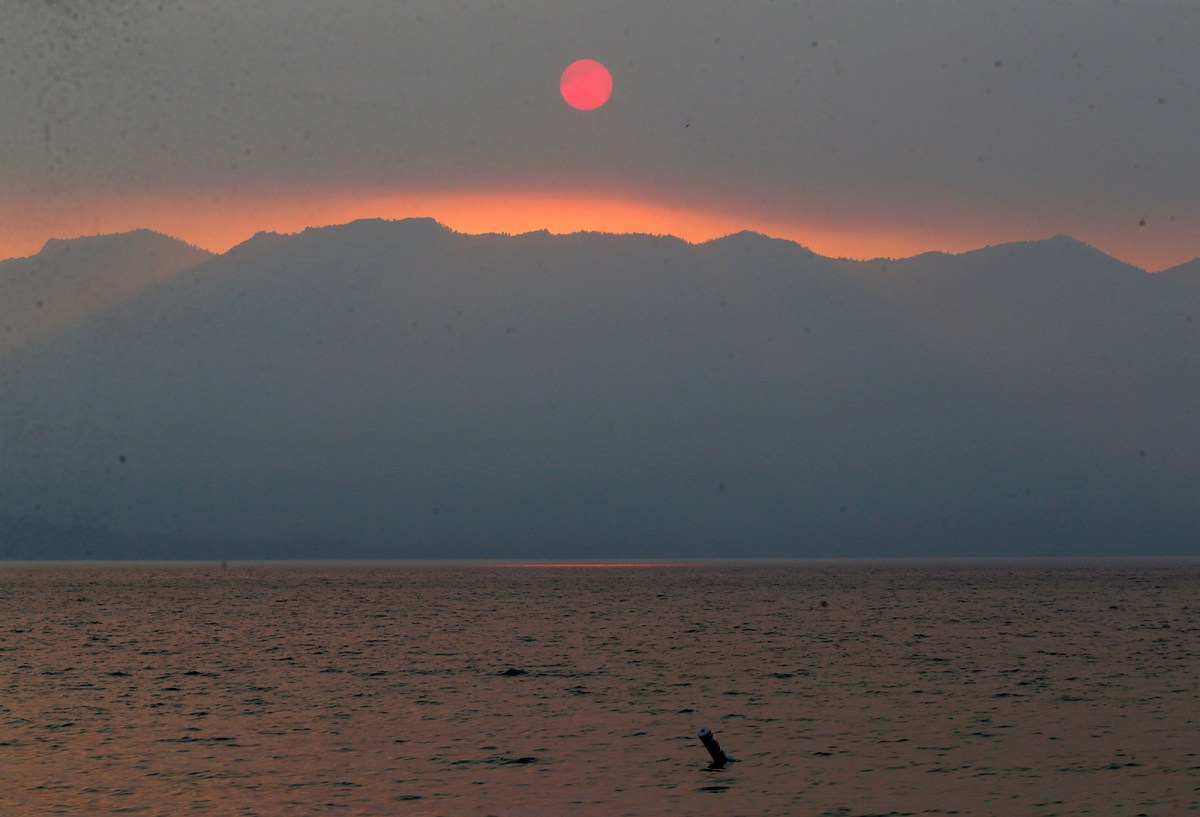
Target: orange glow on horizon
(217,222)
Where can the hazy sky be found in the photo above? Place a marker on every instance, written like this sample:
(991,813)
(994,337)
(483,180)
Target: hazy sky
(857,128)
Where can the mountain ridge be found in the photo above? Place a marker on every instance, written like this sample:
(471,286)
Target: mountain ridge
(1186,273)
(101,241)
(71,278)
(1060,241)
(400,390)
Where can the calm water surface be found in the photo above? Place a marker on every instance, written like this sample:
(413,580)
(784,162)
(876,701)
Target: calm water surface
(843,688)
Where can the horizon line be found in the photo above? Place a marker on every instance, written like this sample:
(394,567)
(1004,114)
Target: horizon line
(568,233)
(681,561)
(218,220)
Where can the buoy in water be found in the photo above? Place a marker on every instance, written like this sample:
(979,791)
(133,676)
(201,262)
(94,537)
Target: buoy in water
(719,756)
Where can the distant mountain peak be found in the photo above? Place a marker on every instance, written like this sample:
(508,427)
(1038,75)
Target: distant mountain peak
(1068,242)
(748,235)
(1058,240)
(745,236)
(360,231)
(749,238)
(1059,250)
(139,239)
(415,224)
(1188,272)
(72,278)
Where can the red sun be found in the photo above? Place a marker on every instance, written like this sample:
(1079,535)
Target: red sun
(586,85)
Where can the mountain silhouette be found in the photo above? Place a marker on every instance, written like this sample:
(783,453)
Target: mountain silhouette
(1186,273)
(72,278)
(396,390)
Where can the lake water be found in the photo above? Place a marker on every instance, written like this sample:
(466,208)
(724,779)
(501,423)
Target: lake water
(843,688)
